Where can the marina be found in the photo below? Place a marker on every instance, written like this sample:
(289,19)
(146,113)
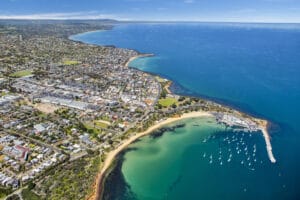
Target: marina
(238,148)
(246,125)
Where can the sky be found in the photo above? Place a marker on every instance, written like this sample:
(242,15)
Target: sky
(155,10)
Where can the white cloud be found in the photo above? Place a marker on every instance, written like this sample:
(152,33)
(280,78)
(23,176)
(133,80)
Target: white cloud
(63,16)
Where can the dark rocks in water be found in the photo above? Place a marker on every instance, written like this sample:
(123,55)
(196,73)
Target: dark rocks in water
(180,126)
(137,140)
(115,186)
(158,133)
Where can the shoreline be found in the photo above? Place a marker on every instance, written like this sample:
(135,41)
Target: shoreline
(100,178)
(137,56)
(111,156)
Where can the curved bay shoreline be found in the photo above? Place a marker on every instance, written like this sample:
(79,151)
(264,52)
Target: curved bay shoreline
(105,169)
(112,155)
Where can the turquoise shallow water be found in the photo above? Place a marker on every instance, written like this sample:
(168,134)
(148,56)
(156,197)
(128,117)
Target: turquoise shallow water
(255,68)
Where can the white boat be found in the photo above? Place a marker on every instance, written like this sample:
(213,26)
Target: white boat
(204,155)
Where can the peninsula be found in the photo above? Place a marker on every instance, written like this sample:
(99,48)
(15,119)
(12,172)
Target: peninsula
(69,108)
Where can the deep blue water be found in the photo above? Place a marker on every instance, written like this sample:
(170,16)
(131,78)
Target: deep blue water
(252,67)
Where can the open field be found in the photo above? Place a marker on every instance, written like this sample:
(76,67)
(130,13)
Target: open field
(21,73)
(167,101)
(102,123)
(70,62)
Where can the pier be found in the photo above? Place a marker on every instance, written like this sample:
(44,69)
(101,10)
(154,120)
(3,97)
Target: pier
(268,144)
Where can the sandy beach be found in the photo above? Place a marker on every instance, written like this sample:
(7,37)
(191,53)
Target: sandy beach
(111,156)
(138,56)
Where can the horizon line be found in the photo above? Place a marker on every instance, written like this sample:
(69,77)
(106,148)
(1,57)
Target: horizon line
(147,21)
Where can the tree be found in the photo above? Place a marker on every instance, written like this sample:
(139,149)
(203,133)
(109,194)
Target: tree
(163,94)
(31,185)
(181,98)
(159,106)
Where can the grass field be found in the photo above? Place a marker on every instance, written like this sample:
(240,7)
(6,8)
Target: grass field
(167,101)
(90,126)
(70,62)
(21,73)
(102,124)
(2,94)
(28,195)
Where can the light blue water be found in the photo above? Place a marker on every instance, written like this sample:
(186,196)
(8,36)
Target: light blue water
(255,68)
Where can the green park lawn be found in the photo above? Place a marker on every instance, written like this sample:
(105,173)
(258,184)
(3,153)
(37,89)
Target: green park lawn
(21,73)
(167,101)
(70,62)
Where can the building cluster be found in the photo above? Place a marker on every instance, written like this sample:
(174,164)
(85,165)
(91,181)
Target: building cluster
(22,160)
(237,122)
(95,99)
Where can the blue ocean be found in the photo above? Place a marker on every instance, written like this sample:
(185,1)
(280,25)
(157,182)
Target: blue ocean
(254,68)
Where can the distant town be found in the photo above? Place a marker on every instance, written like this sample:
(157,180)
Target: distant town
(65,105)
